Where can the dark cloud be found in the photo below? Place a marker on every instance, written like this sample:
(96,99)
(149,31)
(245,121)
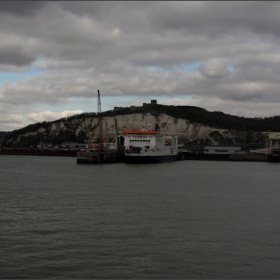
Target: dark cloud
(94,8)
(21,8)
(214,18)
(15,55)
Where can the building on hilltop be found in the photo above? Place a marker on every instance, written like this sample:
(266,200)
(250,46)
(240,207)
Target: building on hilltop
(132,107)
(153,103)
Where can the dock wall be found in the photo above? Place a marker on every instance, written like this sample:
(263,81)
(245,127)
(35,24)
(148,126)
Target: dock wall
(190,156)
(224,157)
(38,152)
(248,157)
(114,156)
(100,157)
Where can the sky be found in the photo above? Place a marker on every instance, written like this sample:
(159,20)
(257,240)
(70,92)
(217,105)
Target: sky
(54,56)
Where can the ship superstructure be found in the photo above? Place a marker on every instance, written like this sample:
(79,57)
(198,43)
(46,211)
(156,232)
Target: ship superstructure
(144,146)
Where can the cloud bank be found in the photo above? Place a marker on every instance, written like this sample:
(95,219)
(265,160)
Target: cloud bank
(138,51)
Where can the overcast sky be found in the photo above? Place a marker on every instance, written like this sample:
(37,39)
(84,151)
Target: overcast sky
(54,56)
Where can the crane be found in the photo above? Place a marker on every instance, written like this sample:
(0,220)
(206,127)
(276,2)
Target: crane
(117,135)
(101,142)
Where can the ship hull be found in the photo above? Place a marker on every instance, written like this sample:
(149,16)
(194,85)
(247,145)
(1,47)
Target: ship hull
(274,158)
(150,159)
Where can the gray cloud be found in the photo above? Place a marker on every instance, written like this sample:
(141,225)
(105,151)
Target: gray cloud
(21,8)
(215,68)
(214,18)
(142,50)
(15,50)
(51,116)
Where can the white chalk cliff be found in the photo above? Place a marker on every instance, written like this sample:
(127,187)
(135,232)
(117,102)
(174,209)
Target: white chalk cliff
(89,127)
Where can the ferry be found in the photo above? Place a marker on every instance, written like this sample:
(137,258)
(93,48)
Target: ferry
(149,146)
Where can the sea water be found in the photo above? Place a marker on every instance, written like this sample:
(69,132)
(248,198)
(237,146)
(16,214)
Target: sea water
(184,219)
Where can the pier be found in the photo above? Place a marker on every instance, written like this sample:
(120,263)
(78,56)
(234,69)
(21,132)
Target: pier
(225,157)
(100,157)
(38,152)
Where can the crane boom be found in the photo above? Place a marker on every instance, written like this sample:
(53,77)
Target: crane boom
(101,142)
(117,135)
